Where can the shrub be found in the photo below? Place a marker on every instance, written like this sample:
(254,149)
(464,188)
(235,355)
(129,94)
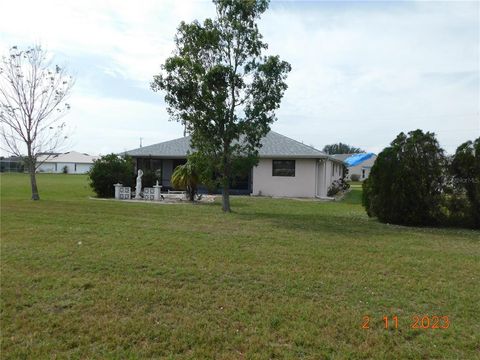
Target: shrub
(459,210)
(407,181)
(334,188)
(465,170)
(339,184)
(186,177)
(109,170)
(355,177)
(65,169)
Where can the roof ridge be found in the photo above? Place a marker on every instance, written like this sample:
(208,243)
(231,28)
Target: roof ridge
(299,142)
(161,142)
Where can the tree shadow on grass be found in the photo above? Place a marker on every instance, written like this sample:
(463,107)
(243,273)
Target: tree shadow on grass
(318,223)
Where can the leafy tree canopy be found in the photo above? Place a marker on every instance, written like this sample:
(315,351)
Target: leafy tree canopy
(465,168)
(341,148)
(221,87)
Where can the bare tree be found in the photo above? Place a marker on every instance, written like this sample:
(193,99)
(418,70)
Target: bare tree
(33,96)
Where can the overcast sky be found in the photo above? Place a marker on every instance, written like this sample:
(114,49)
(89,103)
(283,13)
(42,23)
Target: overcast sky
(361,71)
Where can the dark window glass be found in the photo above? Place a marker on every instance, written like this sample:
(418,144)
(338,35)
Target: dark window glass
(156,164)
(283,168)
(143,164)
(241,182)
(178,162)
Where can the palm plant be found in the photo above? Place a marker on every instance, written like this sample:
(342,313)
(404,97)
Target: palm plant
(186,177)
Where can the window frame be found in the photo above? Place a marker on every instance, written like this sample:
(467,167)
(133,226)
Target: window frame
(284,160)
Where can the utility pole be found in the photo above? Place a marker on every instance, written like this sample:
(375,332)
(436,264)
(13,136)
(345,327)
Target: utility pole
(141,142)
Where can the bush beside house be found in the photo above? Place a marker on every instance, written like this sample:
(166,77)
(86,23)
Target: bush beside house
(464,204)
(109,170)
(411,183)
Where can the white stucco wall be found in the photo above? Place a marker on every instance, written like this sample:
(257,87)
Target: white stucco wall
(300,185)
(83,168)
(50,168)
(328,172)
(46,167)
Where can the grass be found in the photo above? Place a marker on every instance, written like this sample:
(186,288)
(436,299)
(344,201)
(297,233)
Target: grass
(275,279)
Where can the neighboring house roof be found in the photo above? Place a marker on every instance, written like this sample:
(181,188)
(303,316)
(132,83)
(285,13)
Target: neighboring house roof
(68,157)
(11,158)
(341,157)
(357,159)
(274,145)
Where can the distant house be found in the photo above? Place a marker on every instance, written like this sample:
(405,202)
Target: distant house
(12,164)
(358,164)
(73,162)
(287,168)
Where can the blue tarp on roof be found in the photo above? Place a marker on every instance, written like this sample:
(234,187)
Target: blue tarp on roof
(357,159)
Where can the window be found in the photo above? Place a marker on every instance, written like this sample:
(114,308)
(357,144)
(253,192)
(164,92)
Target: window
(156,164)
(363,173)
(283,168)
(178,162)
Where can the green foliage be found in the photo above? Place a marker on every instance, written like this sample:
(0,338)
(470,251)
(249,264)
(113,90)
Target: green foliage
(406,182)
(186,177)
(340,184)
(465,169)
(341,148)
(220,86)
(208,170)
(109,170)
(65,169)
(205,170)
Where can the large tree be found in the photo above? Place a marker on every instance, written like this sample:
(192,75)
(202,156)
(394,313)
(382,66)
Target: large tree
(220,86)
(33,97)
(465,168)
(341,148)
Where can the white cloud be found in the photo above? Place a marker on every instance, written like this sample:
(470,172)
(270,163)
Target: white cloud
(362,72)
(359,75)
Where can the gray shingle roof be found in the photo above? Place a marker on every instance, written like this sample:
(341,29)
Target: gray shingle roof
(176,148)
(273,145)
(341,156)
(277,145)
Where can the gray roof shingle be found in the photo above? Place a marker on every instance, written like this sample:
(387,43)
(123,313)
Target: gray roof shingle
(176,148)
(341,156)
(274,145)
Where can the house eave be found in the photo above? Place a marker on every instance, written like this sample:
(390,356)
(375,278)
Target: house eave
(263,156)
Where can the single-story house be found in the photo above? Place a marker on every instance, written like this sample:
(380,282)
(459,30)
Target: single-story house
(73,162)
(12,164)
(358,164)
(286,168)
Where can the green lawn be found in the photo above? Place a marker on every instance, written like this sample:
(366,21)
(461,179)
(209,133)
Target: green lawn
(291,279)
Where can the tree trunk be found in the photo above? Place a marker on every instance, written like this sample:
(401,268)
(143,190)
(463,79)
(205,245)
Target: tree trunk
(31,159)
(225,180)
(191,193)
(33,180)
(225,197)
